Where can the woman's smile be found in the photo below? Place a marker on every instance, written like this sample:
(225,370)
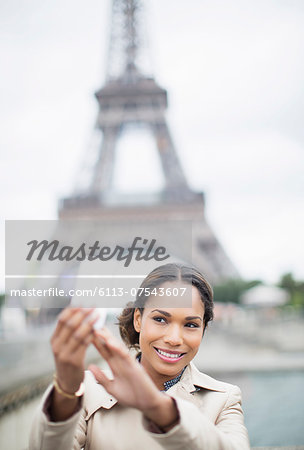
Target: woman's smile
(169,355)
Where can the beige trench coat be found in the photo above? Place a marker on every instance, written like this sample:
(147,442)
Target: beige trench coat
(210,418)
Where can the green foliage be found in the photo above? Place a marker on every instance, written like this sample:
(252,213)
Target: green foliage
(231,290)
(2,298)
(294,288)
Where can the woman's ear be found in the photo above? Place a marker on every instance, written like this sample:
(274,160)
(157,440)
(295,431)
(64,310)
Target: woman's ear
(137,320)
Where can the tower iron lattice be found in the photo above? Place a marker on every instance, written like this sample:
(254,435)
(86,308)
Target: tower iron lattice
(132,96)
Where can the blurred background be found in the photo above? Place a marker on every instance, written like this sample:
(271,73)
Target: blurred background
(233,72)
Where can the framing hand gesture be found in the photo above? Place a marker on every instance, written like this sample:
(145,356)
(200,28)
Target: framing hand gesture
(131,385)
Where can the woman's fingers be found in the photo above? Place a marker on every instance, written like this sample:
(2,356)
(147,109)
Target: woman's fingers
(113,351)
(79,352)
(83,335)
(113,345)
(72,336)
(72,323)
(101,345)
(107,343)
(72,332)
(100,377)
(65,315)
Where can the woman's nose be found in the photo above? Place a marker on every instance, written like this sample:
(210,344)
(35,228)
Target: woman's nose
(174,336)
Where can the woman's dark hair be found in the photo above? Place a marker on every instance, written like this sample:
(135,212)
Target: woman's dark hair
(160,275)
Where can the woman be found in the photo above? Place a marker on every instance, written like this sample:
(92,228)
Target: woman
(158,400)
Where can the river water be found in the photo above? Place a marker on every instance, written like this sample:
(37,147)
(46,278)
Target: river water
(273,404)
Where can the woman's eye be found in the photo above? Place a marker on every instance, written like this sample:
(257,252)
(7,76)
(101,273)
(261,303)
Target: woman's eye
(159,319)
(192,325)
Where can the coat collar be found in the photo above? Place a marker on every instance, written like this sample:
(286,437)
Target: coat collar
(97,397)
(193,378)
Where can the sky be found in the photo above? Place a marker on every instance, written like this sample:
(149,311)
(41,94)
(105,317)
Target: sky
(234,72)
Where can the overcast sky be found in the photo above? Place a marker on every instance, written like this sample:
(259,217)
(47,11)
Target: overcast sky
(234,73)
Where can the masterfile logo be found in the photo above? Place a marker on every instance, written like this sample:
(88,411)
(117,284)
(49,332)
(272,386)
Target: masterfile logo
(145,251)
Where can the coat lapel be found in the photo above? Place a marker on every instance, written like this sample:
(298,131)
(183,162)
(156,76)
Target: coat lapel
(192,381)
(96,396)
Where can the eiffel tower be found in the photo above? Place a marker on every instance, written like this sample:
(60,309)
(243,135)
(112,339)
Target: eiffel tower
(130,96)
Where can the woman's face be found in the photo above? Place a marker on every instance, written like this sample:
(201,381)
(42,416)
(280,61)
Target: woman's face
(169,337)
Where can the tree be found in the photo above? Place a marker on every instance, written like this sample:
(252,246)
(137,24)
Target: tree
(294,288)
(2,298)
(230,291)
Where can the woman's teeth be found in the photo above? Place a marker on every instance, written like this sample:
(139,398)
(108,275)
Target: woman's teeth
(170,355)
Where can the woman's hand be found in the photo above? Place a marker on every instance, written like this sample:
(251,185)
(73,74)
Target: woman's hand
(131,385)
(73,334)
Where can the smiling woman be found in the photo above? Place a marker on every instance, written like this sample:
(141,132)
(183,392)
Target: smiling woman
(158,400)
